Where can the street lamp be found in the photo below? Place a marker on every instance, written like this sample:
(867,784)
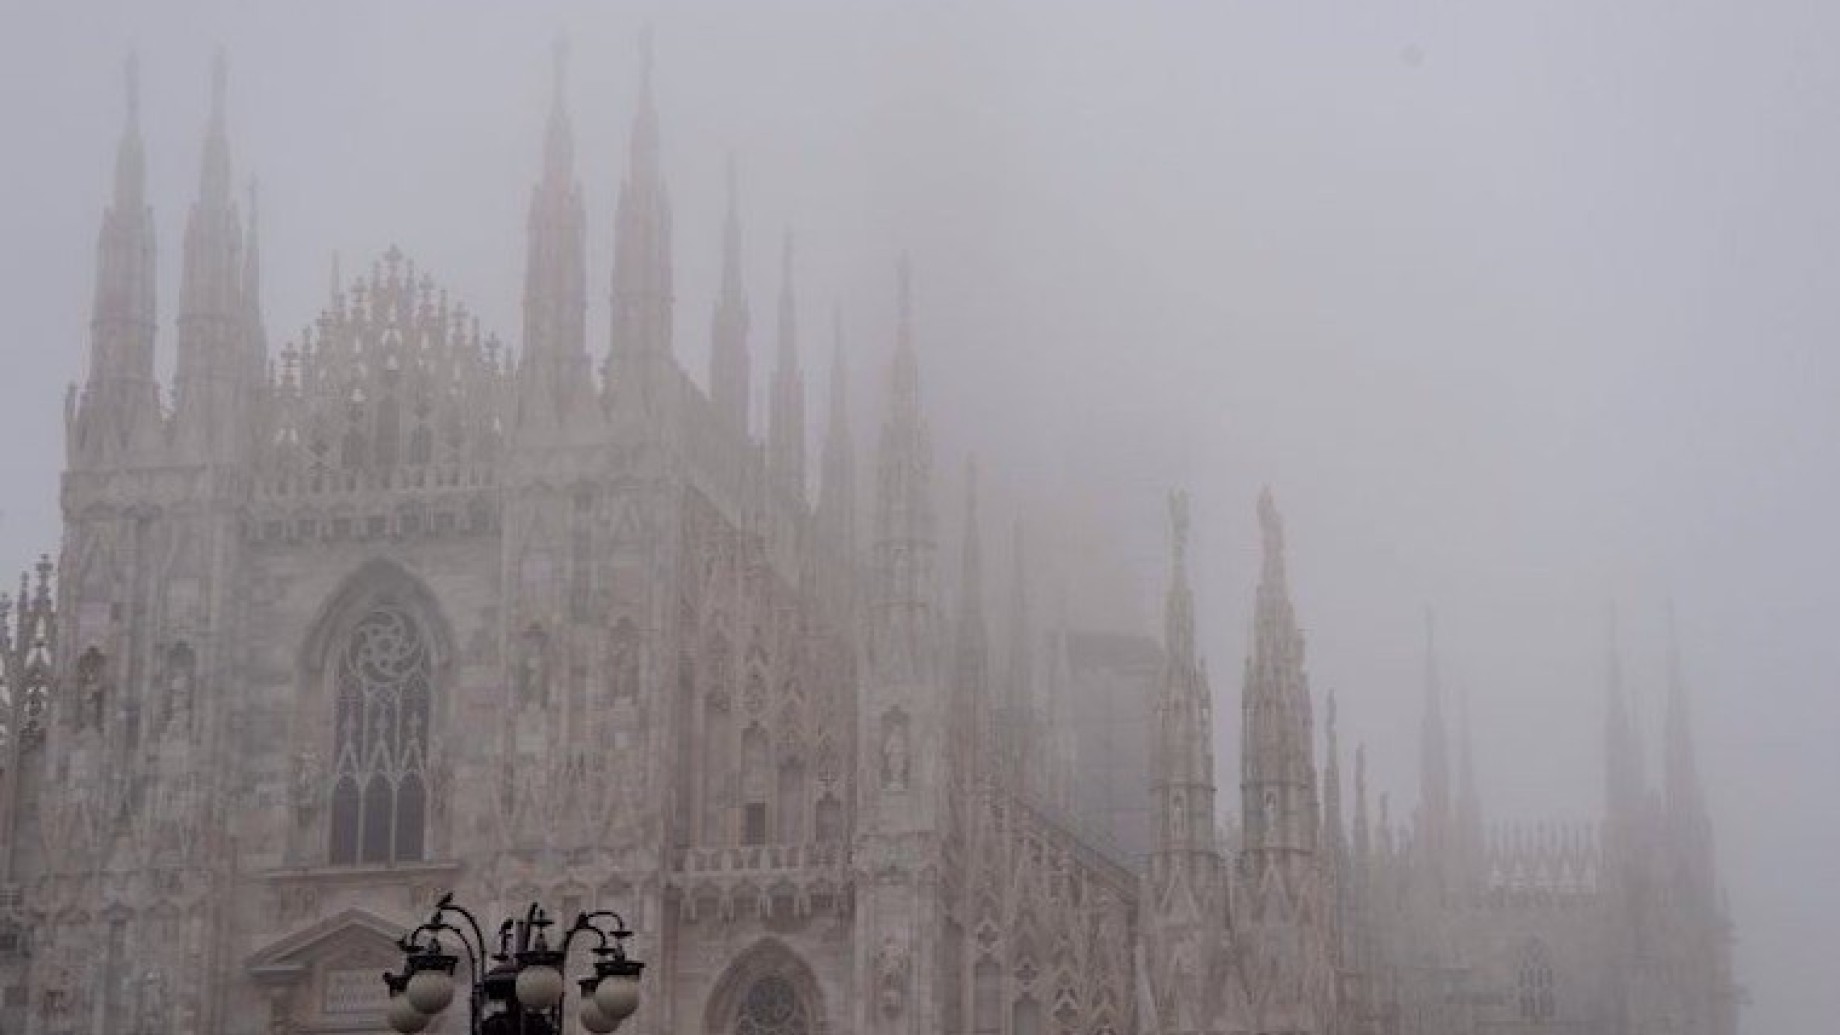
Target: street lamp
(523,992)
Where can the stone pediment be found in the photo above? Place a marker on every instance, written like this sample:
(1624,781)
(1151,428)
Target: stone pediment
(355,936)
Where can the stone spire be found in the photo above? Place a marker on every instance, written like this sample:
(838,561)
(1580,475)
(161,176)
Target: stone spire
(903,637)
(1182,755)
(729,376)
(213,373)
(786,419)
(836,518)
(252,293)
(971,641)
(1015,729)
(119,407)
(1278,779)
(1362,838)
(1433,833)
(642,293)
(553,381)
(1334,834)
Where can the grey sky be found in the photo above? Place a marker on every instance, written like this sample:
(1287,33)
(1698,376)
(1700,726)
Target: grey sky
(1521,309)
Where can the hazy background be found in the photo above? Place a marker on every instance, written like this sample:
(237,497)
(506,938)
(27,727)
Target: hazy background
(1522,309)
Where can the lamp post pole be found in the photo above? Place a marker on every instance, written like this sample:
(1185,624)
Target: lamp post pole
(524,990)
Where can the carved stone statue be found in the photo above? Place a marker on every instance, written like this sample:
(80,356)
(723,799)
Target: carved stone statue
(891,966)
(92,688)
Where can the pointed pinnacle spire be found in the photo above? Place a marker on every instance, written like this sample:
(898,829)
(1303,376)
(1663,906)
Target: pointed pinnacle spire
(731,235)
(559,145)
(904,275)
(130,160)
(1179,616)
(645,123)
(1271,526)
(214,178)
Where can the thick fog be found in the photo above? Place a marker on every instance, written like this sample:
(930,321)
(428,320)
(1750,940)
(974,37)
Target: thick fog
(1524,312)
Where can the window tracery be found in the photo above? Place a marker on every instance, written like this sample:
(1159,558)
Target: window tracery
(384,675)
(772,1007)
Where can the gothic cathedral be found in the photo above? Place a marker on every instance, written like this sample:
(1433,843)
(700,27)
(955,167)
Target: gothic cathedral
(395,610)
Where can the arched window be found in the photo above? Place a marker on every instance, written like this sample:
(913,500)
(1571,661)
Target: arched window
(755,786)
(772,1007)
(383,674)
(1535,983)
(829,820)
(791,817)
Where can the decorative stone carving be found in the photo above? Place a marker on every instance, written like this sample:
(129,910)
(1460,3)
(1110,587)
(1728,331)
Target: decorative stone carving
(891,977)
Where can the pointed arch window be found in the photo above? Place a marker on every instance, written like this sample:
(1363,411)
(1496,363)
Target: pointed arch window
(384,674)
(773,1007)
(1535,983)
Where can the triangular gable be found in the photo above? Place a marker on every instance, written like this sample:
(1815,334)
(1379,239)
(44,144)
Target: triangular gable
(285,960)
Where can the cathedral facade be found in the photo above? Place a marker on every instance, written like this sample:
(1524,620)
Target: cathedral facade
(397,610)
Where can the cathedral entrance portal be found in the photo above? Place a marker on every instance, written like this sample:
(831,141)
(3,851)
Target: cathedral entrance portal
(767,990)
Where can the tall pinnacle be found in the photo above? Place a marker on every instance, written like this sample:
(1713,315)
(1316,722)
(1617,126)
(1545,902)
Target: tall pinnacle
(213,371)
(642,292)
(729,375)
(1622,743)
(553,385)
(836,517)
(1182,753)
(1015,722)
(130,159)
(902,639)
(559,142)
(786,428)
(119,406)
(971,647)
(1278,772)
(214,176)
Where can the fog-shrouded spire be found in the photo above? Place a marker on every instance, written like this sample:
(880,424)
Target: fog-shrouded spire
(903,637)
(729,375)
(214,174)
(130,156)
(252,291)
(971,639)
(1278,778)
(214,376)
(1015,726)
(786,420)
(554,387)
(1182,759)
(1469,797)
(1623,765)
(836,518)
(642,291)
(118,411)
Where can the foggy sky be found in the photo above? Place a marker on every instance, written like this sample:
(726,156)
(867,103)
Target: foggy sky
(1523,310)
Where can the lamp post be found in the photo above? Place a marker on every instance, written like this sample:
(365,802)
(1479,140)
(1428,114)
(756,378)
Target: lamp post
(523,992)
